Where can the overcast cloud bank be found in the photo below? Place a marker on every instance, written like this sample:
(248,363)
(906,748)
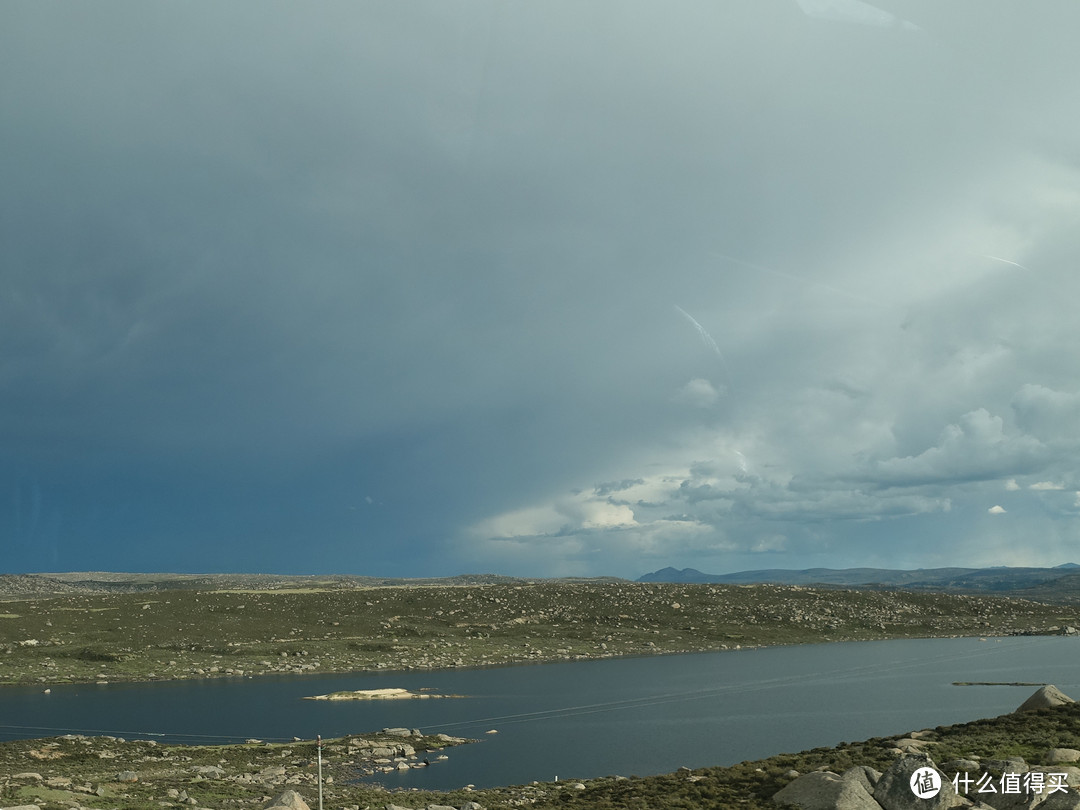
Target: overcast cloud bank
(552,288)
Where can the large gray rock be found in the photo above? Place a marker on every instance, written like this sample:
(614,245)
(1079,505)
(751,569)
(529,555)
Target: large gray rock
(893,790)
(1008,801)
(1046,697)
(1069,800)
(1056,756)
(954,766)
(1000,766)
(864,775)
(824,790)
(288,800)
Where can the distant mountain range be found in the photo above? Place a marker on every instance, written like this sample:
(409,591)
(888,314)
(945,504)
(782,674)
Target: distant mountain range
(1059,578)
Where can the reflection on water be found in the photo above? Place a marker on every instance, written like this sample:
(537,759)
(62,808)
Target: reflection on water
(588,718)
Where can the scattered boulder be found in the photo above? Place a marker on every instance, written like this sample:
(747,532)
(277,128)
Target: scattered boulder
(287,800)
(824,790)
(1056,756)
(22,807)
(961,766)
(893,790)
(909,745)
(1000,766)
(127,776)
(1046,697)
(212,771)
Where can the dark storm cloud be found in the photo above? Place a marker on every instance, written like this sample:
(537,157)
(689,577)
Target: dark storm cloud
(365,277)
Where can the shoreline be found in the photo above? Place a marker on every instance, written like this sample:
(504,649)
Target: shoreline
(489,664)
(56,773)
(192,635)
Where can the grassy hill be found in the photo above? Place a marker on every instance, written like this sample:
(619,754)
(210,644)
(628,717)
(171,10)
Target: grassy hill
(317,626)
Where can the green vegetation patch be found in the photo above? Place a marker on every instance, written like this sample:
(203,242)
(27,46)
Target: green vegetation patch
(194,633)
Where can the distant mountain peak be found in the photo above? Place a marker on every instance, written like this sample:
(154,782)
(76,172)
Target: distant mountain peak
(989,579)
(669,574)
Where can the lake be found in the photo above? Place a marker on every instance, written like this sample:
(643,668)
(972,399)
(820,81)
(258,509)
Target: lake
(585,719)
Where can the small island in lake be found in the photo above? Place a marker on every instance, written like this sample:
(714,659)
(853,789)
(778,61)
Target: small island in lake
(396,693)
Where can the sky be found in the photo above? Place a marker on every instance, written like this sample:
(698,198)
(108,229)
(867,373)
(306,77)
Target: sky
(560,288)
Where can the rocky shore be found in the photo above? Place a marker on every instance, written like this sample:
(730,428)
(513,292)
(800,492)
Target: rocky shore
(1031,757)
(914,781)
(78,771)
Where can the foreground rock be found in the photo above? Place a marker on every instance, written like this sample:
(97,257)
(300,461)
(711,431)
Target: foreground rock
(915,782)
(823,790)
(895,792)
(865,789)
(287,800)
(995,784)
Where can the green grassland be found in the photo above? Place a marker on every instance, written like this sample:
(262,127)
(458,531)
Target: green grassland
(175,634)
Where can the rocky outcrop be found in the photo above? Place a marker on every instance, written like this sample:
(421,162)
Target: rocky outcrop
(984,784)
(1046,697)
(287,800)
(894,790)
(824,790)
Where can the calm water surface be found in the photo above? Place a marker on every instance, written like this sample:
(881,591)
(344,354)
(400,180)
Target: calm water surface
(589,718)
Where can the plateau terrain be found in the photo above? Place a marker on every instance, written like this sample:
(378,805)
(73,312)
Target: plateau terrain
(232,626)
